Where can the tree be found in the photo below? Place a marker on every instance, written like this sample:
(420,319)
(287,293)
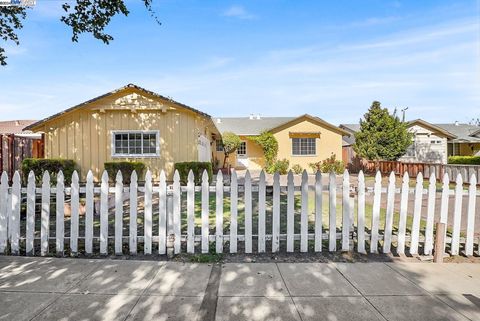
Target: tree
(230,143)
(269,145)
(87,16)
(382,136)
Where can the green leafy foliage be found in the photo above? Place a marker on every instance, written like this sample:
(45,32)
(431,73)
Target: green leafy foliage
(53,166)
(126,168)
(297,169)
(382,136)
(230,142)
(465,160)
(329,165)
(10,20)
(197,168)
(269,145)
(280,166)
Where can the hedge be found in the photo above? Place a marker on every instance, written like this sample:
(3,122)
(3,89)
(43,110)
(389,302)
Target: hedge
(465,160)
(197,168)
(126,168)
(53,166)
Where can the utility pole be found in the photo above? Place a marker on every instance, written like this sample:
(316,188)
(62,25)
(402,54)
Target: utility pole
(403,113)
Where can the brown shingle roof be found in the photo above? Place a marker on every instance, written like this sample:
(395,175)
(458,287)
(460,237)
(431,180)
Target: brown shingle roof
(15,126)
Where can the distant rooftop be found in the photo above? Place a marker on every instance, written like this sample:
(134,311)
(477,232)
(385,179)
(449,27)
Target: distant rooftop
(249,126)
(15,126)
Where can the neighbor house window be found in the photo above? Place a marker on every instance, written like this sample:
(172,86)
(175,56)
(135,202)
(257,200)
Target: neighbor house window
(135,143)
(219,144)
(242,149)
(304,146)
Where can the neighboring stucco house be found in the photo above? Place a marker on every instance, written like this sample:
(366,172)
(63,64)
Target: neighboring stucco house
(302,140)
(130,123)
(429,143)
(467,141)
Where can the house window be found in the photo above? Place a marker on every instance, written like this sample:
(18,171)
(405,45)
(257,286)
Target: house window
(219,144)
(135,143)
(242,149)
(304,146)
(435,142)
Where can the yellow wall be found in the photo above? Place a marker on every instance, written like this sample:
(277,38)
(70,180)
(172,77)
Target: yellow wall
(329,143)
(84,134)
(466,149)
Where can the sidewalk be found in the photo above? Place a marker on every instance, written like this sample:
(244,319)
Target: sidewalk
(81,289)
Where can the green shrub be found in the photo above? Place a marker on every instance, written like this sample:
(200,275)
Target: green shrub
(53,166)
(269,145)
(197,168)
(126,168)
(280,166)
(297,169)
(328,165)
(465,160)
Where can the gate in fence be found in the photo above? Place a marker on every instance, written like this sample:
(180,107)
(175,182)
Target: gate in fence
(231,217)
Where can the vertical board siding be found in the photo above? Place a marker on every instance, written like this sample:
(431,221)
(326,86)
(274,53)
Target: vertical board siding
(170,213)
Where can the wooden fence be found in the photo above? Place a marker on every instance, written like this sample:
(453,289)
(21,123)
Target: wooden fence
(26,216)
(413,169)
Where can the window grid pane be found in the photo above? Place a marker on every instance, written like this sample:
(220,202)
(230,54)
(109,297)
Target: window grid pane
(242,150)
(304,146)
(135,143)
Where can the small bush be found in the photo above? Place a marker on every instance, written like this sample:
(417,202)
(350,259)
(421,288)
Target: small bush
(465,160)
(197,168)
(126,168)
(280,166)
(328,165)
(297,169)
(53,166)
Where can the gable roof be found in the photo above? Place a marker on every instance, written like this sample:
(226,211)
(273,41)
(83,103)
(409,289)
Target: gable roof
(15,126)
(129,86)
(432,127)
(246,126)
(465,133)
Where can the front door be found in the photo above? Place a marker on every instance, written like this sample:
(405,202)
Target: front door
(242,159)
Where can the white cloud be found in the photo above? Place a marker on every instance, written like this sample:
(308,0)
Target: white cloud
(238,12)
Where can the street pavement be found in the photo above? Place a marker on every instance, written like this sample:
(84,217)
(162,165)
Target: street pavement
(115,289)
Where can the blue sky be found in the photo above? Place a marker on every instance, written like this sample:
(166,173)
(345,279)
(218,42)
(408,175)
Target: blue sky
(274,57)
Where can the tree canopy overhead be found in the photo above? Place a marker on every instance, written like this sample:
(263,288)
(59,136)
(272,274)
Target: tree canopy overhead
(84,16)
(382,136)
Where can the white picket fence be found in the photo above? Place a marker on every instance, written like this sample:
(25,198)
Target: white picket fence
(168,234)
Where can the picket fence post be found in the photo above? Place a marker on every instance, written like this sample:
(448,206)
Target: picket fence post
(318,211)
(444,204)
(45,214)
(472,195)
(276,213)
(147,245)
(304,214)
(30,228)
(118,213)
(3,212)
(402,222)
(132,240)
(248,212)
(104,214)
(346,212)
(219,213)
(376,213)
(162,214)
(89,206)
(417,213)
(60,215)
(16,200)
(457,216)
(233,211)
(261,212)
(74,217)
(205,212)
(190,213)
(332,221)
(290,211)
(177,229)
(361,214)
(432,190)
(387,231)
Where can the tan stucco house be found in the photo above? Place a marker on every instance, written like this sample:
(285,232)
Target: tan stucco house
(302,140)
(130,123)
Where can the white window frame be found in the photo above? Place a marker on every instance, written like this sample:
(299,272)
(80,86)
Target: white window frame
(238,149)
(156,154)
(305,155)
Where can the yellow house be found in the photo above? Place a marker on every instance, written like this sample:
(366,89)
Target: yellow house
(130,123)
(301,140)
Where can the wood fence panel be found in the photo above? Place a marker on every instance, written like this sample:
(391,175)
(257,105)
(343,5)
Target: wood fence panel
(261,212)
(290,211)
(30,228)
(318,211)
(387,239)
(248,212)
(191,213)
(332,230)
(402,223)
(444,203)
(162,214)
(205,212)
(89,206)
(3,212)
(432,191)
(118,213)
(16,200)
(361,214)
(457,216)
(472,198)
(276,214)
(233,211)
(75,214)
(148,219)
(60,215)
(133,228)
(45,214)
(104,214)
(346,212)
(376,213)
(177,219)
(417,213)
(304,213)
(219,213)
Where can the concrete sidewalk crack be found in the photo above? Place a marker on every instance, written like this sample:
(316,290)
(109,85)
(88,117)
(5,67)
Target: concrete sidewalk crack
(289,294)
(208,308)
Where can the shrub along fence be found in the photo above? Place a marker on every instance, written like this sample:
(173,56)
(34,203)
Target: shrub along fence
(172,223)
